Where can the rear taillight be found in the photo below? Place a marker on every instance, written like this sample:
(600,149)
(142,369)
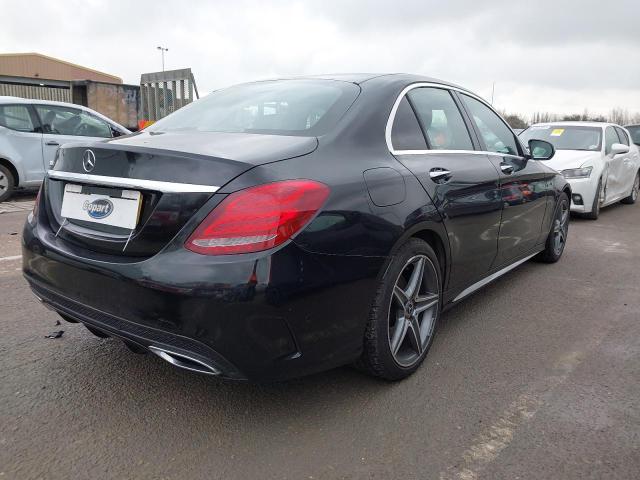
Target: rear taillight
(258,218)
(37,202)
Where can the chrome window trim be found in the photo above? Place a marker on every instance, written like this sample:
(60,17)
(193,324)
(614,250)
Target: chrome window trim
(135,183)
(407,89)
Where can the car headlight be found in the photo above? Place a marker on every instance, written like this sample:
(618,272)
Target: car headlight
(577,172)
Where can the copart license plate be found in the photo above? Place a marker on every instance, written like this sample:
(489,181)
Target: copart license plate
(120,210)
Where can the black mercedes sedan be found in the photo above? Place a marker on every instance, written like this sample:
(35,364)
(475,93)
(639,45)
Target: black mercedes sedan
(279,228)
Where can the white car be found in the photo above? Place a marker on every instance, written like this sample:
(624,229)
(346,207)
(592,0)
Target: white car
(31,132)
(598,159)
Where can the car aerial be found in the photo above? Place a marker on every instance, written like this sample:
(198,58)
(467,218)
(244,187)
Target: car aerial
(598,159)
(280,228)
(31,132)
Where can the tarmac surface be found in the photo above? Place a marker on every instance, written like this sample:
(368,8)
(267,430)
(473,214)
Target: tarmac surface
(537,376)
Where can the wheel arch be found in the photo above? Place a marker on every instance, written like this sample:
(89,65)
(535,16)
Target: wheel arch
(12,168)
(435,236)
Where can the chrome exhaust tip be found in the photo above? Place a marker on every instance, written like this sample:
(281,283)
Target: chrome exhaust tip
(181,360)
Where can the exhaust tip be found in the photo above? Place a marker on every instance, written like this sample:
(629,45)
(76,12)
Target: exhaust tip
(186,362)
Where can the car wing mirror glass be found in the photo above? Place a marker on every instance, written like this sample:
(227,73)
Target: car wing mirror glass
(541,149)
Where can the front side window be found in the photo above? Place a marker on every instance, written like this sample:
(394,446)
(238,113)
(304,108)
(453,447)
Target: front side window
(610,137)
(284,107)
(440,119)
(497,136)
(566,137)
(16,117)
(71,121)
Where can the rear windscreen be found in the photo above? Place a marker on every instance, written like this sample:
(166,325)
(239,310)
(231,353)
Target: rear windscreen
(282,107)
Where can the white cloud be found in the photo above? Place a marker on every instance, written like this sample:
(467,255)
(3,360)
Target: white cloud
(545,55)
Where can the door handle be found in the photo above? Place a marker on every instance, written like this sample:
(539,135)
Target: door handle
(52,143)
(439,174)
(506,168)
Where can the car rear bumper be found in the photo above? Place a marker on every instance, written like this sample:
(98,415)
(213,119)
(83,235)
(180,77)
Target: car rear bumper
(261,318)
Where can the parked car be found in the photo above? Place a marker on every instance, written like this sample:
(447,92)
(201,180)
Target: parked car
(634,131)
(32,130)
(599,160)
(279,228)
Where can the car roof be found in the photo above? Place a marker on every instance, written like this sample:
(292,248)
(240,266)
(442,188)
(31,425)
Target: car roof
(578,124)
(360,78)
(5,99)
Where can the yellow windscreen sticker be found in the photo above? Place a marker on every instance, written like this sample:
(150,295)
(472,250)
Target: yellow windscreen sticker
(557,132)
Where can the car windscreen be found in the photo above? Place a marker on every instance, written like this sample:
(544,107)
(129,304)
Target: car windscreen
(634,130)
(282,107)
(565,137)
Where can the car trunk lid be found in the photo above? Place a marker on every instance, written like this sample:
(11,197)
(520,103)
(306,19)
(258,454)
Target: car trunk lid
(174,173)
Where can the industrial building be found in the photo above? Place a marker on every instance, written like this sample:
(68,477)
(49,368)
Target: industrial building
(33,75)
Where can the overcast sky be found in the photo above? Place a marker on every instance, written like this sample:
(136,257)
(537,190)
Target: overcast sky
(560,56)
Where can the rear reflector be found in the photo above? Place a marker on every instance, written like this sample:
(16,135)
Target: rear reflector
(258,218)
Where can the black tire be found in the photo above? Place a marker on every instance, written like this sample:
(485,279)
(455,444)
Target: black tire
(377,358)
(7,183)
(633,196)
(559,229)
(595,207)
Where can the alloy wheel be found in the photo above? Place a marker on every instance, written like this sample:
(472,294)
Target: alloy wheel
(560,228)
(413,310)
(636,188)
(4,183)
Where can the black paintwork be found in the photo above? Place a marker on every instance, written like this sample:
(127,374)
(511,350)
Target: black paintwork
(301,307)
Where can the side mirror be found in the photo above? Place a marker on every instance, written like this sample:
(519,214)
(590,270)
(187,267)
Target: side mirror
(541,150)
(618,148)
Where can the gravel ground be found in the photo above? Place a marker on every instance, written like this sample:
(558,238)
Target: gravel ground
(535,377)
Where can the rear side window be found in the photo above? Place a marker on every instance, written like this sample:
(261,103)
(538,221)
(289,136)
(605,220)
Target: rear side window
(440,119)
(622,135)
(16,117)
(635,134)
(406,133)
(497,136)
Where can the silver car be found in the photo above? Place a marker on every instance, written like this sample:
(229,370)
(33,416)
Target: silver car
(32,130)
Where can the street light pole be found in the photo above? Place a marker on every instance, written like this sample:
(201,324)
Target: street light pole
(162,50)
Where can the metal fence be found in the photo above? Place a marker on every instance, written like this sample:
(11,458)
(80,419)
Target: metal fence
(162,93)
(38,92)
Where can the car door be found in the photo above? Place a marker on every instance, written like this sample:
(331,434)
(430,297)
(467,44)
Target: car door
(629,166)
(20,141)
(430,137)
(615,182)
(525,185)
(62,124)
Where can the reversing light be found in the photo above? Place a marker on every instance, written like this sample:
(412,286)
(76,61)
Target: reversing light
(258,218)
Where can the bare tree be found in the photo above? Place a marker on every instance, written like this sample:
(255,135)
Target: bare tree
(515,120)
(619,116)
